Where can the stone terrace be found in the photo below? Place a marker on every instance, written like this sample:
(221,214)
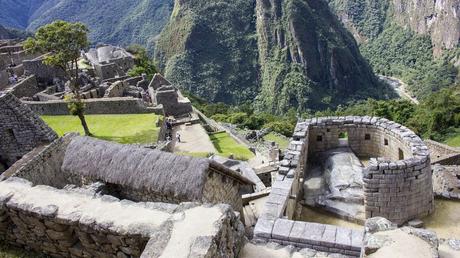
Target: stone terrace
(80,223)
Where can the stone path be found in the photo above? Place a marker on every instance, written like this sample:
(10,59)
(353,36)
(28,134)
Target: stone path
(194,139)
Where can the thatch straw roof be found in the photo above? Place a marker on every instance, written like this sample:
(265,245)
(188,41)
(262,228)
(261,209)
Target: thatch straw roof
(141,168)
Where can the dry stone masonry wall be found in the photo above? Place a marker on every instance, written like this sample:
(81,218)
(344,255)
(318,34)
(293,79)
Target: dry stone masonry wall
(126,105)
(20,129)
(397,186)
(397,182)
(79,223)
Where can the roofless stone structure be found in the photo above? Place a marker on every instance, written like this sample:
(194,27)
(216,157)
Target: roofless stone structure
(397,181)
(21,130)
(83,197)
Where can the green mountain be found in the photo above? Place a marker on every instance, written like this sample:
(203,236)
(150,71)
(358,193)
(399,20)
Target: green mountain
(121,22)
(17,13)
(416,41)
(282,54)
(6,33)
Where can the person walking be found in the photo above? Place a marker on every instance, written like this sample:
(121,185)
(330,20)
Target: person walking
(178,136)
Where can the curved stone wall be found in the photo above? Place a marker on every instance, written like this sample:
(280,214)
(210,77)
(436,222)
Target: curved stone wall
(397,181)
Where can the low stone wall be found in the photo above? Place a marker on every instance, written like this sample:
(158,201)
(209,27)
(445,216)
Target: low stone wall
(115,90)
(94,106)
(81,223)
(443,154)
(44,168)
(28,87)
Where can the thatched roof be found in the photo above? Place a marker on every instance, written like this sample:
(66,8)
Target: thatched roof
(141,168)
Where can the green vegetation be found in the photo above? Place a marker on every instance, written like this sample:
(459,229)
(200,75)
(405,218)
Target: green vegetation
(63,43)
(195,154)
(452,138)
(282,141)
(120,22)
(143,63)
(245,116)
(316,65)
(394,50)
(210,48)
(401,53)
(367,16)
(126,129)
(227,146)
(437,117)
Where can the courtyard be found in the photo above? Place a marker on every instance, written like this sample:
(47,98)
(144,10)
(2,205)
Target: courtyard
(125,129)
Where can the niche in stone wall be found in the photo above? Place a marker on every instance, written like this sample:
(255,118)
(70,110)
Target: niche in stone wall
(401,154)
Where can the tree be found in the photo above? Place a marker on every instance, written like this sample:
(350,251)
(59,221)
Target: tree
(63,42)
(144,65)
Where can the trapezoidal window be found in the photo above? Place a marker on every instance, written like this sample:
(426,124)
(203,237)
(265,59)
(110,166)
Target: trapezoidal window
(10,134)
(401,154)
(319,138)
(385,141)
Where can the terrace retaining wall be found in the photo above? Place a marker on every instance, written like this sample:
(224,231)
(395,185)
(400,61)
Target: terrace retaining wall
(95,106)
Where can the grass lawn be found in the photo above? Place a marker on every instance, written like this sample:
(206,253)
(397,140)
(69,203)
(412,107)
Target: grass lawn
(283,142)
(227,146)
(453,139)
(126,129)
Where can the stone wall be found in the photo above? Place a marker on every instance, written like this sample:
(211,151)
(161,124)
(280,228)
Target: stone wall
(4,80)
(81,223)
(398,185)
(21,130)
(27,87)
(222,189)
(126,105)
(115,90)
(400,190)
(443,154)
(43,72)
(173,105)
(44,168)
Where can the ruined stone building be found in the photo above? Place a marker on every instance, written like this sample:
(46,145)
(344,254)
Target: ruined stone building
(21,130)
(82,197)
(164,93)
(109,61)
(396,182)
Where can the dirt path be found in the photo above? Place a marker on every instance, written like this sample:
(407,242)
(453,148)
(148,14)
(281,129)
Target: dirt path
(400,87)
(194,139)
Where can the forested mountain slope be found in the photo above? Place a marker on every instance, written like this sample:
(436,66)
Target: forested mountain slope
(291,53)
(122,22)
(417,41)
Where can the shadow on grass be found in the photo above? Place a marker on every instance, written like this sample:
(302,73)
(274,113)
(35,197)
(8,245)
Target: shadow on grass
(144,137)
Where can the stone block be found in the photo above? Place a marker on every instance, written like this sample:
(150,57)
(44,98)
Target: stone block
(343,238)
(264,228)
(282,229)
(297,231)
(329,235)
